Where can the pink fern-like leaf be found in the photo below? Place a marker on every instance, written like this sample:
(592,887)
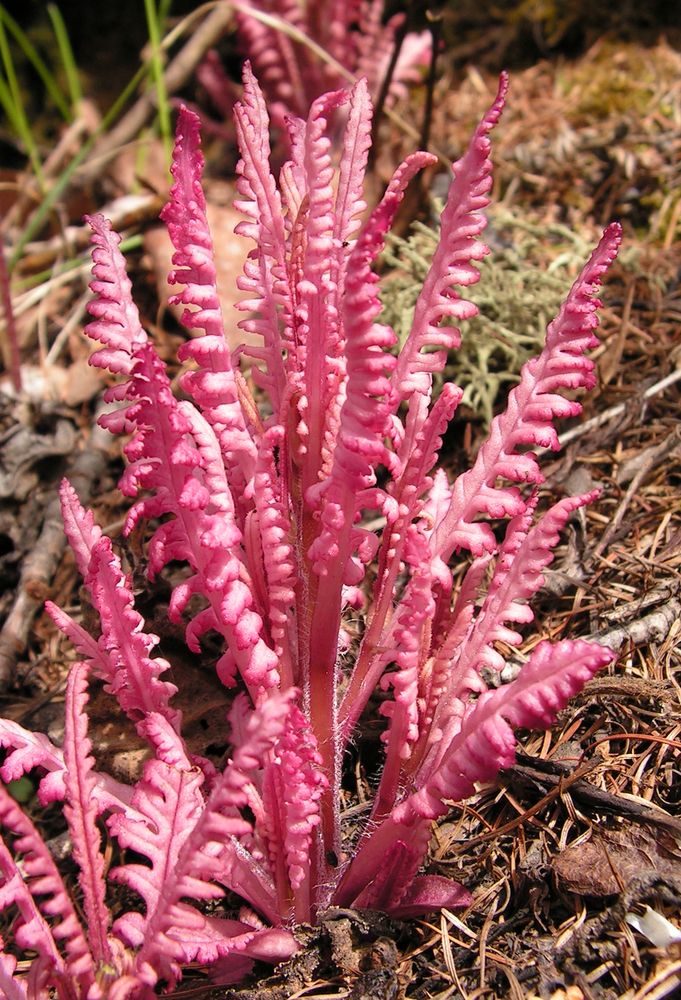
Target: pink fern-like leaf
(84,644)
(12,988)
(116,322)
(343,38)
(272,554)
(122,657)
(363,423)
(293,783)
(518,575)
(338,552)
(315,288)
(167,802)
(29,750)
(166,455)
(213,385)
(350,202)
(461,224)
(282,66)
(267,944)
(81,814)
(134,676)
(376,39)
(31,931)
(406,501)
(265,277)
(80,527)
(485,742)
(528,419)
(40,895)
(175,933)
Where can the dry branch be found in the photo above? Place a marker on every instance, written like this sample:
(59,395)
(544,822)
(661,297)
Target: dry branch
(42,562)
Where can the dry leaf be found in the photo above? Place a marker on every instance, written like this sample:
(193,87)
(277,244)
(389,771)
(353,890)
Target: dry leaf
(609,862)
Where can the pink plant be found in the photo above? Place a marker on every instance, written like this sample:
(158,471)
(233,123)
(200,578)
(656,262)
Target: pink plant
(265,499)
(301,49)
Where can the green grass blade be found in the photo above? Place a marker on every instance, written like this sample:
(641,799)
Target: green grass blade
(35,223)
(164,7)
(66,54)
(154,25)
(82,261)
(35,59)
(18,113)
(8,106)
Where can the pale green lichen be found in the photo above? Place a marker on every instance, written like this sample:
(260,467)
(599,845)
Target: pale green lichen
(517,297)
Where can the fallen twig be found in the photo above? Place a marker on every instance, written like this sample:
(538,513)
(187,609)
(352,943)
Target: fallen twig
(551,774)
(129,212)
(11,346)
(616,411)
(41,564)
(652,458)
(650,628)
